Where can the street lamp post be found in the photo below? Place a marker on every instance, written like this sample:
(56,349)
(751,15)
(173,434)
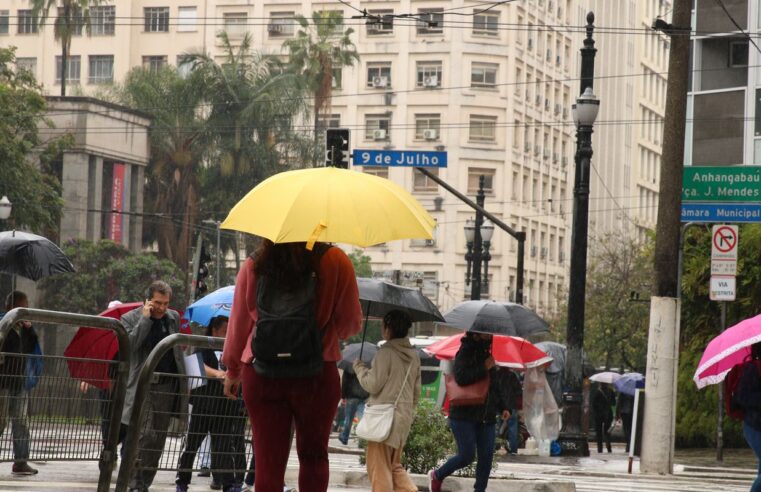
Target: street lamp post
(487,231)
(573,436)
(478,234)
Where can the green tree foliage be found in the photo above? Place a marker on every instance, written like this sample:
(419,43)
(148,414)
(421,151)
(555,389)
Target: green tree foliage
(106,271)
(700,322)
(320,48)
(361,262)
(73,16)
(36,195)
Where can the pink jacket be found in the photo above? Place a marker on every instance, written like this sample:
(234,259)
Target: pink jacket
(338,311)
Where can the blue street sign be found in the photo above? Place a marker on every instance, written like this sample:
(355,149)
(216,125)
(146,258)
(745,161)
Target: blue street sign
(721,212)
(399,158)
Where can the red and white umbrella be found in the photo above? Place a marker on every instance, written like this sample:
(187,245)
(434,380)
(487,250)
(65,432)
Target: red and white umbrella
(508,351)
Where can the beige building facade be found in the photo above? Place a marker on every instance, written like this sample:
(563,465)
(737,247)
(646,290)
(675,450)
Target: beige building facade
(493,89)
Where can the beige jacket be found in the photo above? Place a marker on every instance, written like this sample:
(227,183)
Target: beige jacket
(384,382)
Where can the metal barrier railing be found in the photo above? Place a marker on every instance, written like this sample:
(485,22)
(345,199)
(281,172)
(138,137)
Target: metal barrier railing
(55,434)
(209,412)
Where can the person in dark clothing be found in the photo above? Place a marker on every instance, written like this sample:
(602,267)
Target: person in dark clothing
(625,412)
(602,401)
(473,426)
(20,340)
(355,397)
(512,383)
(745,397)
(219,417)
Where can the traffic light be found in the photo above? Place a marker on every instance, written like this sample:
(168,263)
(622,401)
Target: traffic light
(337,148)
(202,274)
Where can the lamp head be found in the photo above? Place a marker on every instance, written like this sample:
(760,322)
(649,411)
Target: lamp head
(586,108)
(487,230)
(5,208)
(470,230)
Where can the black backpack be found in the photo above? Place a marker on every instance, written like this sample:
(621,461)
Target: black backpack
(288,341)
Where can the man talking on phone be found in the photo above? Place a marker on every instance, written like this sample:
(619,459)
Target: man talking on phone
(147,326)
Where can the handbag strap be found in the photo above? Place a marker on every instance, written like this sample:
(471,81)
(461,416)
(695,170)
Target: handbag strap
(403,384)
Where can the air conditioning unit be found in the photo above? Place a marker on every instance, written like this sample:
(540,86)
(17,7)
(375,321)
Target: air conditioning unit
(543,253)
(431,81)
(380,81)
(379,134)
(430,134)
(430,242)
(274,28)
(533,251)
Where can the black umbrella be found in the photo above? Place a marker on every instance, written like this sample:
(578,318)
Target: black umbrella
(499,318)
(378,297)
(365,351)
(31,256)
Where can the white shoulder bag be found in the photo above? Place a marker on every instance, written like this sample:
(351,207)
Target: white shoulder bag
(377,421)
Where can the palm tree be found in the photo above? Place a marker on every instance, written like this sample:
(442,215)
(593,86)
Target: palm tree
(73,16)
(318,49)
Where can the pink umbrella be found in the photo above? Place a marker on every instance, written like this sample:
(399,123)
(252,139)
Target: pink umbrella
(512,352)
(726,351)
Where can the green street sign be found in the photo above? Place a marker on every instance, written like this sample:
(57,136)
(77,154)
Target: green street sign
(721,184)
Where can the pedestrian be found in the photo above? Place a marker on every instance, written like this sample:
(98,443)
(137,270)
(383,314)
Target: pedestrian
(602,403)
(217,417)
(394,377)
(355,397)
(743,399)
(625,413)
(146,326)
(474,426)
(291,307)
(20,340)
(514,388)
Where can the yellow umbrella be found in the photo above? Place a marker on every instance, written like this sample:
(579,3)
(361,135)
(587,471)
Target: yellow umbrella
(330,205)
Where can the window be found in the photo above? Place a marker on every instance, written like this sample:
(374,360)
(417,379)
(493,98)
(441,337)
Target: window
(101,69)
(380,22)
(27,23)
(474,177)
(73,68)
(483,75)
(4,21)
(28,64)
(738,54)
(430,21)
(77,20)
(184,65)
(337,80)
(281,25)
(429,74)
(102,20)
(486,24)
(379,75)
(186,19)
(154,63)
(156,19)
(425,122)
(377,126)
(421,182)
(483,128)
(329,121)
(235,24)
(380,171)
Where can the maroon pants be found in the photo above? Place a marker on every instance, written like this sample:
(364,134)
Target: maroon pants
(273,404)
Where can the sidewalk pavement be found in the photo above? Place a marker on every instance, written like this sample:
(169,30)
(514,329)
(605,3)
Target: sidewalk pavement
(597,473)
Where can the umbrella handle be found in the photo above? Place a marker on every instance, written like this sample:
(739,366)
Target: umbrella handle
(364,331)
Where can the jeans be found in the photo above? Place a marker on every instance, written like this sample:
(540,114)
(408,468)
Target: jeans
(14,405)
(353,406)
(512,431)
(753,437)
(473,439)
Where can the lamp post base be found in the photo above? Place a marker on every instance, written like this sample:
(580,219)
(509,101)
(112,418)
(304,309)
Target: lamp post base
(573,445)
(573,438)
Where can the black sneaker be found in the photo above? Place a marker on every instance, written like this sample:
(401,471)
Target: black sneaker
(23,469)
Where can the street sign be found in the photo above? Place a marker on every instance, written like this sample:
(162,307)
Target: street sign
(722,288)
(399,158)
(721,212)
(724,239)
(721,184)
(724,267)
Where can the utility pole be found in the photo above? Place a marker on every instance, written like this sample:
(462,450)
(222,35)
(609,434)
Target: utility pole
(658,426)
(475,283)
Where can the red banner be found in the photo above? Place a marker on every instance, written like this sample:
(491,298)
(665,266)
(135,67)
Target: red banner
(117,203)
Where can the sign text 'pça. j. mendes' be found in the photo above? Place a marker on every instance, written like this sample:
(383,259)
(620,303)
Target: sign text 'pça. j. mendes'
(721,184)
(399,158)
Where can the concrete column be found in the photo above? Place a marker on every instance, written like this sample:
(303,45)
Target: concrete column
(658,425)
(95,198)
(74,185)
(136,206)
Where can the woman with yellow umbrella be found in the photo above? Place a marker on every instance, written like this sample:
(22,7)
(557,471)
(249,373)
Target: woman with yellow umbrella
(295,298)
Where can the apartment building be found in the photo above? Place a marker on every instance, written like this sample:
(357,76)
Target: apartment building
(492,88)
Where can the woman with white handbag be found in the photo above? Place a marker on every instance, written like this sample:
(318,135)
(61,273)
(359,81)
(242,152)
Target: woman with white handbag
(394,386)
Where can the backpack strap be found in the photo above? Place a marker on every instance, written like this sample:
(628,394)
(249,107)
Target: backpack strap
(409,368)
